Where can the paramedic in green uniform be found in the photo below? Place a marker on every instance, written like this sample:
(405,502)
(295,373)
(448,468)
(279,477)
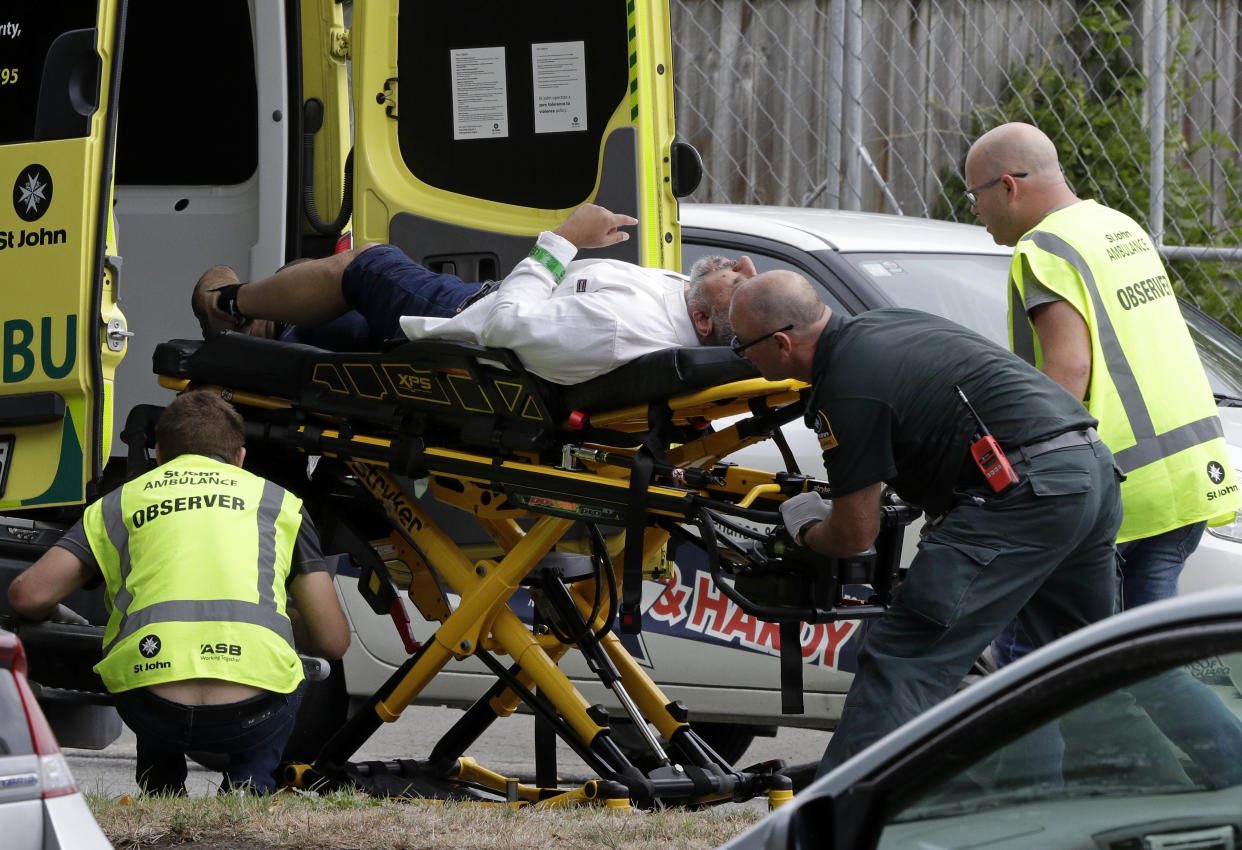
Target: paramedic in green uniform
(885,406)
(198,558)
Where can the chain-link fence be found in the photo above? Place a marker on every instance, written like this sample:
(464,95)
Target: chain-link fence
(872,105)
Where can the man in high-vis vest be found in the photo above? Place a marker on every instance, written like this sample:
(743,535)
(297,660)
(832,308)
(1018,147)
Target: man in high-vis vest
(1092,306)
(198,558)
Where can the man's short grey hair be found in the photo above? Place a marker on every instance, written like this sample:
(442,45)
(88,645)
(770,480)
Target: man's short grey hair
(702,267)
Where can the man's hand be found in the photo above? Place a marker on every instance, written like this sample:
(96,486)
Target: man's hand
(65,614)
(592,226)
(803,510)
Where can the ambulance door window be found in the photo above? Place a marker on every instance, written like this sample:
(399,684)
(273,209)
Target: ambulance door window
(30,53)
(188,109)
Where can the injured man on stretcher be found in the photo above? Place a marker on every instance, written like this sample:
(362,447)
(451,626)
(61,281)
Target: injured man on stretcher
(568,321)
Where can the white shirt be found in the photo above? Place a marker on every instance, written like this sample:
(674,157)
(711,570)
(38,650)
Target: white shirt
(602,315)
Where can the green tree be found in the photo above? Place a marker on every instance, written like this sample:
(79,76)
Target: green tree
(1092,112)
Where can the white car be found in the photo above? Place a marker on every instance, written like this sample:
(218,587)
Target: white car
(696,644)
(866,260)
(1121,735)
(41,807)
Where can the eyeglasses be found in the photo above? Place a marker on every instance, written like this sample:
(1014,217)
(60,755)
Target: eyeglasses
(972,195)
(738,346)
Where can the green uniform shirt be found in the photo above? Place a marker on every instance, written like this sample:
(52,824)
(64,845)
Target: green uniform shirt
(884,407)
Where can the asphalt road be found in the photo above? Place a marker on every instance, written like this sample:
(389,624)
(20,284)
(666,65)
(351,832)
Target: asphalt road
(507,748)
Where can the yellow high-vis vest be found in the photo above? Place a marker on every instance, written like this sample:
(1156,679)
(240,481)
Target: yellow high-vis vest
(195,554)
(1148,389)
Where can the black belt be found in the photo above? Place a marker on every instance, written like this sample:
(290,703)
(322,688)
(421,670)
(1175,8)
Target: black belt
(969,475)
(1081,437)
(485,288)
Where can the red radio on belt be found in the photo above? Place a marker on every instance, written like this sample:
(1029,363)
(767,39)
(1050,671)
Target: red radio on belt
(988,455)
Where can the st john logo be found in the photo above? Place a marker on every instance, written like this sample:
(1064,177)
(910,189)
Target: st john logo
(1215,472)
(823,430)
(149,646)
(32,193)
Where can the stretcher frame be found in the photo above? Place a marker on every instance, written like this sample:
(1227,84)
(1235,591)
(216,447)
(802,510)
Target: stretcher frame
(528,460)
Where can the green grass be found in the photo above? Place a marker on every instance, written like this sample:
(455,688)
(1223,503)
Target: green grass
(349,820)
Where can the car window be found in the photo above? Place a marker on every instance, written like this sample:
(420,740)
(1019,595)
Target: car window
(1220,351)
(1167,747)
(970,289)
(967,288)
(14,730)
(692,251)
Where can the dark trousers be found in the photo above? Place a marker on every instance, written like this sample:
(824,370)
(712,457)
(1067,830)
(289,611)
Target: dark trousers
(252,733)
(1150,567)
(1042,552)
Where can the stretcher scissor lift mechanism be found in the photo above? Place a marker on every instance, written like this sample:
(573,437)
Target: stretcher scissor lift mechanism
(529,461)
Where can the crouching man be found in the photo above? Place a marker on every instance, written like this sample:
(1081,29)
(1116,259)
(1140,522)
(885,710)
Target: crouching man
(198,558)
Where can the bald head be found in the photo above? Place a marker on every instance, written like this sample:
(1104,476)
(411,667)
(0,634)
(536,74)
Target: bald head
(786,306)
(776,298)
(1016,147)
(1010,206)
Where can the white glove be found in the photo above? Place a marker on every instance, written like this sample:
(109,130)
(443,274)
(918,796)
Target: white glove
(803,510)
(65,614)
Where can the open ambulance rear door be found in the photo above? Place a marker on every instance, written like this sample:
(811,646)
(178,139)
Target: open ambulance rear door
(144,144)
(143,141)
(61,334)
(479,124)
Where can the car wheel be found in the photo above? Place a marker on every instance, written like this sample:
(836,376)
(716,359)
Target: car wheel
(212,761)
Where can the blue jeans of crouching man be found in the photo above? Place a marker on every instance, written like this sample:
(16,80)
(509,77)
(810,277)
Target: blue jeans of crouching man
(252,733)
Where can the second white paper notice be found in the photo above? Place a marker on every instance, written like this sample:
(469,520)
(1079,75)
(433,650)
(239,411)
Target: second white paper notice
(559,70)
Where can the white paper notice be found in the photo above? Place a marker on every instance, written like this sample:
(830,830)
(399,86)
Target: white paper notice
(480,93)
(560,86)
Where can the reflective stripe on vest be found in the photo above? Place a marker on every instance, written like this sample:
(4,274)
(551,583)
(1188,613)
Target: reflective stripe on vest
(1149,446)
(264,613)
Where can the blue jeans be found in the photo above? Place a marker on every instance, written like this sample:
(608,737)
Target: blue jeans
(1149,571)
(252,733)
(1152,565)
(380,286)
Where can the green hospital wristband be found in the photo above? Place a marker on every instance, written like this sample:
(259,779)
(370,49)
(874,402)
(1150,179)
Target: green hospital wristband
(546,259)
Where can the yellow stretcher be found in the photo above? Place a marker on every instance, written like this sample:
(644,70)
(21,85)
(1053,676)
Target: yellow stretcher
(529,461)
